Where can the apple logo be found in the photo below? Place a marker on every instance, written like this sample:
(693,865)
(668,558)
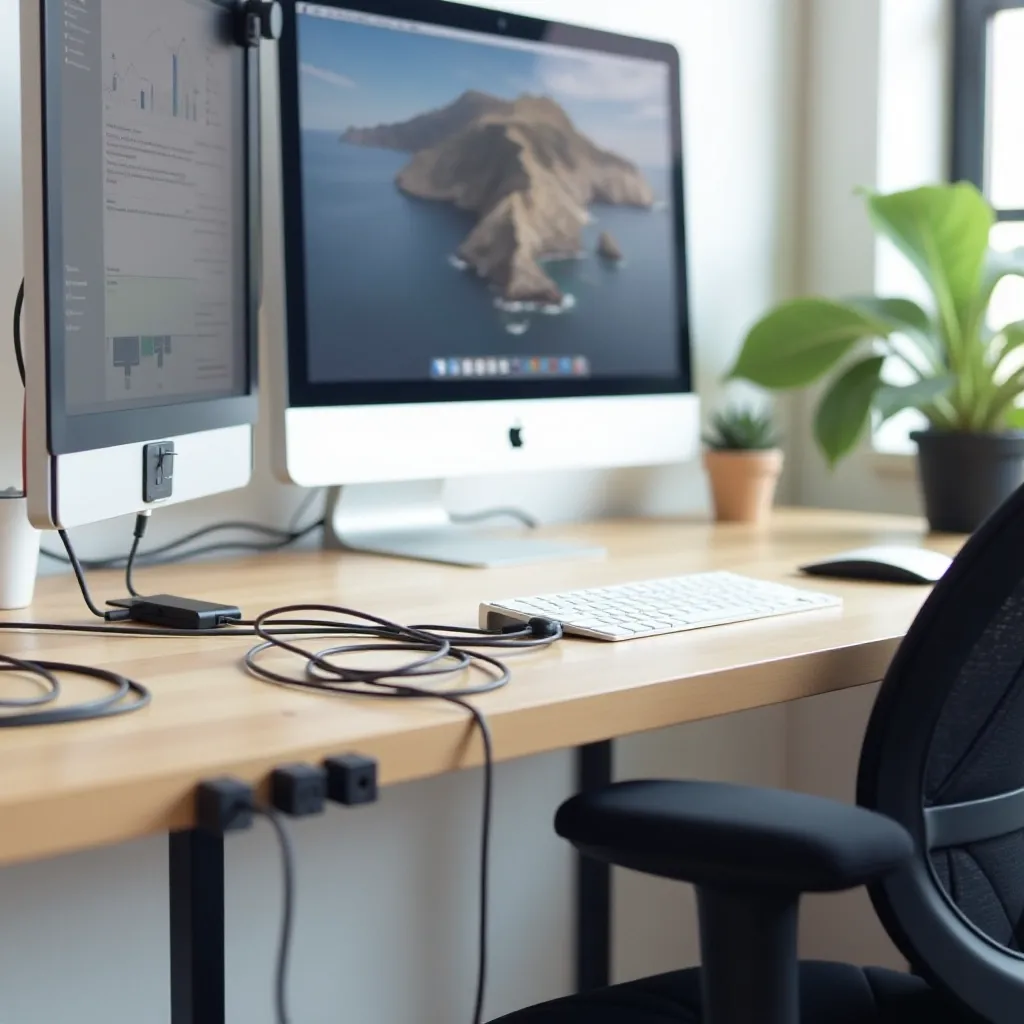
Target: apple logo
(515,437)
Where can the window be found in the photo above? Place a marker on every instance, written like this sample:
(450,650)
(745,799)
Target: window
(988,139)
(988,150)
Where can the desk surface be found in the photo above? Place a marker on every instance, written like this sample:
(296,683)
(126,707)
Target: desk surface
(68,787)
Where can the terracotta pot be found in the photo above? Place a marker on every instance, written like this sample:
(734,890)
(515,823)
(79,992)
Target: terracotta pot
(743,483)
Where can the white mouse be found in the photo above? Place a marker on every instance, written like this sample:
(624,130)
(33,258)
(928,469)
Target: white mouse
(883,564)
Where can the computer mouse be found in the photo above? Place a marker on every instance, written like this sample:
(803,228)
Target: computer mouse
(883,564)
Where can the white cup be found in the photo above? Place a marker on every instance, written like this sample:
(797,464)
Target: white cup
(19,551)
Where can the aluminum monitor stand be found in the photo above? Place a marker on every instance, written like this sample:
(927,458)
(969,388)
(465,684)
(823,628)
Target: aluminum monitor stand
(409,520)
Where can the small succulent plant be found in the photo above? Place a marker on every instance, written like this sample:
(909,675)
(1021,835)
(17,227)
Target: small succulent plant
(737,428)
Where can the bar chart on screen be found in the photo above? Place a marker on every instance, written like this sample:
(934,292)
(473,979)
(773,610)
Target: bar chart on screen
(161,71)
(169,189)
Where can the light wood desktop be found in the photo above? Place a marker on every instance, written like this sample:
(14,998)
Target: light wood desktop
(69,787)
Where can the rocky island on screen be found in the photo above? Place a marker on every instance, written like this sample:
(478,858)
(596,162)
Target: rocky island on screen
(466,195)
(525,171)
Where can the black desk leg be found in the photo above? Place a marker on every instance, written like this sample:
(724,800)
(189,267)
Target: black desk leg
(197,928)
(593,884)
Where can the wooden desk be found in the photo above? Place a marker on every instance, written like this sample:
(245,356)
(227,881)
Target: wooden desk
(69,787)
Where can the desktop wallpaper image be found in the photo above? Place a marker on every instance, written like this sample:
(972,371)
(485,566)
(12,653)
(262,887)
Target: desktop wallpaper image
(471,200)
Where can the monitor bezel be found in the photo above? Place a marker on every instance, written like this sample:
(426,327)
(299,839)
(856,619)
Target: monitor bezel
(69,433)
(304,393)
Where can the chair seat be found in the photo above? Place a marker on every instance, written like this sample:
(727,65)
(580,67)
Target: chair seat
(829,994)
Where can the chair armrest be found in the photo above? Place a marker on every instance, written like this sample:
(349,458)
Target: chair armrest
(724,836)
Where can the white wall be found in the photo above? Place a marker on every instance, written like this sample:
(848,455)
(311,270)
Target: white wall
(878,78)
(384,921)
(878,82)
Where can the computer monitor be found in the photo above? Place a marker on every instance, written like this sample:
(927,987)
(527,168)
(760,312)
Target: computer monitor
(140,281)
(485,260)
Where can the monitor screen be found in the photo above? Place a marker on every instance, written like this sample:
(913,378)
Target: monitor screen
(146,158)
(480,209)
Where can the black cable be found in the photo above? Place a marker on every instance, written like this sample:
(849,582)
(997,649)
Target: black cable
(513,638)
(19,355)
(80,576)
(433,645)
(129,568)
(521,516)
(141,522)
(441,652)
(147,558)
(434,650)
(155,556)
(438,652)
(240,525)
(485,853)
(285,538)
(51,682)
(170,553)
(149,631)
(105,707)
(114,703)
(300,513)
(288,912)
(237,629)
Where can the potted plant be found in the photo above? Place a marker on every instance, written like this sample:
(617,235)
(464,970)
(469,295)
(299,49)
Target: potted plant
(744,461)
(964,374)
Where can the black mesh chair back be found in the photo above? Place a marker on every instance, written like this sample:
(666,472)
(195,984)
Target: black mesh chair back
(944,756)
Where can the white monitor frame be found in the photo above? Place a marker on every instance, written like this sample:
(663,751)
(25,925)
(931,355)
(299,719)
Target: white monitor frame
(321,447)
(72,489)
(316,444)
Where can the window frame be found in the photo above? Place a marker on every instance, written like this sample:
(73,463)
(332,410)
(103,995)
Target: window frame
(967,119)
(972,20)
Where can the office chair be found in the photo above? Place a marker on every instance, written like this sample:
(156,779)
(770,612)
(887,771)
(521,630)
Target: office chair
(938,837)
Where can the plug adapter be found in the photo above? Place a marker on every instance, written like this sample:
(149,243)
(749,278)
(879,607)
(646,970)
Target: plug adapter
(351,779)
(178,612)
(299,789)
(224,805)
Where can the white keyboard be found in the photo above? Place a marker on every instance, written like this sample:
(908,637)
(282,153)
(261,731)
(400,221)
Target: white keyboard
(652,607)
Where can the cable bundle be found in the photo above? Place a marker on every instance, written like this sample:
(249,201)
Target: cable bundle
(435,654)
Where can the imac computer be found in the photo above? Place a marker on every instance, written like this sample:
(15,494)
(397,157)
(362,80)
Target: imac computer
(485,262)
(140,270)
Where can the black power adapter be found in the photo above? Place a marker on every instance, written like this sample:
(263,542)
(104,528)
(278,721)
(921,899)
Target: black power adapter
(179,612)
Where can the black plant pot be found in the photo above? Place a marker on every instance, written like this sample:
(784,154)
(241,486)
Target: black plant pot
(965,477)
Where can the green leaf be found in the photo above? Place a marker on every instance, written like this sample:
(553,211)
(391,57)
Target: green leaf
(799,341)
(943,230)
(845,408)
(1014,334)
(890,400)
(1001,400)
(902,314)
(998,265)
(1013,338)
(906,318)
(1015,417)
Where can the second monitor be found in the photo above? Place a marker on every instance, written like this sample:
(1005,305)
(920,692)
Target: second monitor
(485,261)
